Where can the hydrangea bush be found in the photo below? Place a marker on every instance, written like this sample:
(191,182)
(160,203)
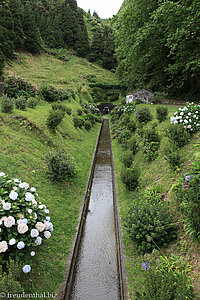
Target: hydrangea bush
(24,221)
(128,108)
(189,116)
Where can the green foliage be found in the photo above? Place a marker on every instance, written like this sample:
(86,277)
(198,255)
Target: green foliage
(130,177)
(188,198)
(161,113)
(127,158)
(16,86)
(124,136)
(32,102)
(165,285)
(172,156)
(87,125)
(61,166)
(151,143)
(178,135)
(32,41)
(9,281)
(132,144)
(54,118)
(158,45)
(21,102)
(149,224)
(78,121)
(51,94)
(143,115)
(7,104)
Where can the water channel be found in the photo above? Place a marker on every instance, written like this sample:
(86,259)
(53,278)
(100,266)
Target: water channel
(96,275)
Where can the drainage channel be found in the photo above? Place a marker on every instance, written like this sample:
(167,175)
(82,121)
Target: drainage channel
(97,268)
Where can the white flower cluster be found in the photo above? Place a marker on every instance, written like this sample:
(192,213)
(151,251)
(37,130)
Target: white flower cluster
(24,222)
(128,108)
(189,116)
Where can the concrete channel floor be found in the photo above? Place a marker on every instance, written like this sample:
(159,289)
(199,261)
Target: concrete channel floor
(96,273)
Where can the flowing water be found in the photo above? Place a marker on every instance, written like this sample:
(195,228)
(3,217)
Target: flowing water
(96,273)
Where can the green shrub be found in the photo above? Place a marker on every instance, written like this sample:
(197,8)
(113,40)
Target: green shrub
(130,177)
(79,112)
(161,113)
(21,103)
(32,102)
(17,86)
(165,286)
(188,200)
(59,106)
(124,120)
(7,104)
(149,224)
(143,115)
(78,121)
(68,111)
(132,145)
(123,136)
(178,134)
(132,126)
(127,158)
(61,166)
(10,280)
(172,156)
(151,143)
(51,94)
(87,125)
(54,118)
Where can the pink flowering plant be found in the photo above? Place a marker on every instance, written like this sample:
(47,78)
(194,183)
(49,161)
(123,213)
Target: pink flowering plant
(188,116)
(24,221)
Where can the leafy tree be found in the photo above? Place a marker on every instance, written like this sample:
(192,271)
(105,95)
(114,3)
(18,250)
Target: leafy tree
(16,12)
(32,38)
(82,45)
(69,25)
(97,46)
(108,59)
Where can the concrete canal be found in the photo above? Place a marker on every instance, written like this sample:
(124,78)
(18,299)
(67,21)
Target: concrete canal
(96,275)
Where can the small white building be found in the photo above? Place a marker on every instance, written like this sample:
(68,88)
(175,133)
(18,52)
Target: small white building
(143,95)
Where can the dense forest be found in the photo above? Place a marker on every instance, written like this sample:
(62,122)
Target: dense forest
(152,44)
(36,26)
(158,45)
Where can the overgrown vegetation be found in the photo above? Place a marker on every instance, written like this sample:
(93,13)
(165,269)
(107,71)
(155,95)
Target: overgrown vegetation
(151,217)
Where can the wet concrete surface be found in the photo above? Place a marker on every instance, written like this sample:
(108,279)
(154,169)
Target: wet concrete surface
(96,272)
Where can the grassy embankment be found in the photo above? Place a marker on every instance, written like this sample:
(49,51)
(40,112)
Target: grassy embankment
(23,150)
(158,173)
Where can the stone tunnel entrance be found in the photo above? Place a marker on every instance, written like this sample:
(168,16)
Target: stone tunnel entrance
(105,108)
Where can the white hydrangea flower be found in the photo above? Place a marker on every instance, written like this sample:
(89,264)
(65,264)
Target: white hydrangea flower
(35,216)
(2,174)
(47,225)
(26,268)
(17,180)
(20,245)
(38,241)
(33,190)
(32,253)
(21,216)
(20,221)
(48,218)
(6,206)
(24,185)
(34,233)
(22,228)
(12,242)
(41,206)
(9,221)
(47,234)
(29,197)
(40,226)
(30,211)
(46,211)
(13,195)
(3,246)
(15,188)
